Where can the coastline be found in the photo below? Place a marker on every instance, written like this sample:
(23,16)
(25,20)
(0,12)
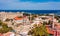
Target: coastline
(34,11)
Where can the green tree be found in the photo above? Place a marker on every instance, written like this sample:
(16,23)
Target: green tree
(58,21)
(4,28)
(50,22)
(7,19)
(38,31)
(45,23)
(0,22)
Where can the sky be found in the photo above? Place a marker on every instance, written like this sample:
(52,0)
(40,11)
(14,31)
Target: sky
(29,4)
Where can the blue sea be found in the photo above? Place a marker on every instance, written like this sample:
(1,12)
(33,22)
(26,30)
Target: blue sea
(35,11)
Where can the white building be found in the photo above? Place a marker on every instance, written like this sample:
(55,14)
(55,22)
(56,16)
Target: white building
(10,15)
(23,20)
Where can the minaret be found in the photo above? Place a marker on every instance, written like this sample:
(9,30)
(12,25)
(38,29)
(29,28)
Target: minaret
(52,20)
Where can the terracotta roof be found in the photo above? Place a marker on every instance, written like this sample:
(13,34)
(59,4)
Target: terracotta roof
(1,34)
(49,31)
(20,18)
(17,18)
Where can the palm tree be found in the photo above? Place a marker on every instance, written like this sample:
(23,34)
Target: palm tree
(38,31)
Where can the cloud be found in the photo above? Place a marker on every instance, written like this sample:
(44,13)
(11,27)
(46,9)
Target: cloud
(18,5)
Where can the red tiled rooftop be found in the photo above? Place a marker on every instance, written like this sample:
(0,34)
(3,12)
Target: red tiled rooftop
(49,31)
(18,18)
(1,34)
